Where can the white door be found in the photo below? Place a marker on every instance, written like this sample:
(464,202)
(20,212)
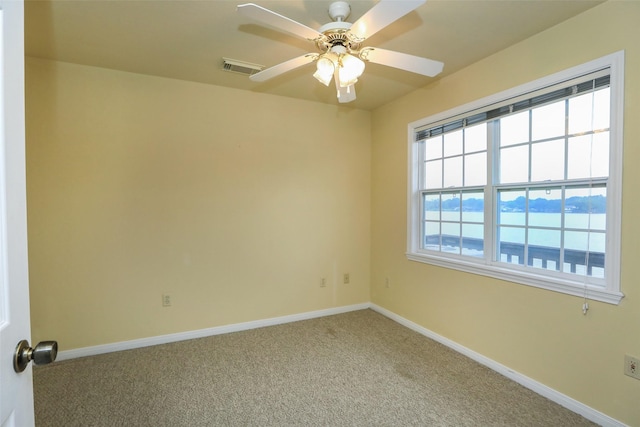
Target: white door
(16,390)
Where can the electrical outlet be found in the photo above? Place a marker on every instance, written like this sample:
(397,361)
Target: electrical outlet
(346,278)
(166,300)
(323,282)
(387,282)
(632,366)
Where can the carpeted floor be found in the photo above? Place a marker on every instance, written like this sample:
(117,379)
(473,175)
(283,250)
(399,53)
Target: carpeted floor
(353,369)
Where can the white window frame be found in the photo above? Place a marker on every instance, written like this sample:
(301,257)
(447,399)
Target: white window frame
(610,292)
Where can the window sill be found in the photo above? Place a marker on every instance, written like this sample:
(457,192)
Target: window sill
(525,278)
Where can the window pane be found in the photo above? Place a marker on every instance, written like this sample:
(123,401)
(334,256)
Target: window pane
(432,235)
(511,245)
(475,169)
(544,238)
(597,242)
(473,207)
(576,240)
(433,148)
(514,129)
(453,143)
(602,109)
(512,235)
(588,156)
(453,172)
(575,256)
(548,121)
(585,208)
(451,207)
(451,237)
(433,174)
(514,164)
(544,248)
(472,240)
(475,138)
(580,154)
(584,248)
(545,208)
(600,157)
(432,207)
(511,207)
(547,160)
(581,113)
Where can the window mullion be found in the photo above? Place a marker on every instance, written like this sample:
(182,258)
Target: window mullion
(563,198)
(490,214)
(460,222)
(566,139)
(530,145)
(525,261)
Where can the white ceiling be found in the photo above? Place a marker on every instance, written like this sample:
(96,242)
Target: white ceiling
(187,39)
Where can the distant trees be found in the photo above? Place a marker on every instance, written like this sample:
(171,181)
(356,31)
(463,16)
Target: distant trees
(578,204)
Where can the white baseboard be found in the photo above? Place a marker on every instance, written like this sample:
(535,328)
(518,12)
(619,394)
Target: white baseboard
(201,333)
(551,394)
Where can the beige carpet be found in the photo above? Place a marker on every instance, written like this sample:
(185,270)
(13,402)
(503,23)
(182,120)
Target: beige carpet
(353,369)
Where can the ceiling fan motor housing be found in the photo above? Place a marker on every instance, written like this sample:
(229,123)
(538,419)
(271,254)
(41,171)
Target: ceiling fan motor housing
(337,37)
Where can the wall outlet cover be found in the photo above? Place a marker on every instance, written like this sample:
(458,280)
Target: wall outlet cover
(632,366)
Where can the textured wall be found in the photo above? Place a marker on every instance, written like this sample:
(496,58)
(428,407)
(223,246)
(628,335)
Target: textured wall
(539,333)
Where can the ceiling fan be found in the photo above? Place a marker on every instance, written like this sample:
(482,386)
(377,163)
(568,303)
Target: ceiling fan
(342,55)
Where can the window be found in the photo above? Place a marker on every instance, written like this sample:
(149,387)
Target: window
(526,185)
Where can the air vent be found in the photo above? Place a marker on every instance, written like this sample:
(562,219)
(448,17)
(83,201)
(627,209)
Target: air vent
(240,67)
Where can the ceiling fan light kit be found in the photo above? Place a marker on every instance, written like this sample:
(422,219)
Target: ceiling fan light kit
(341,56)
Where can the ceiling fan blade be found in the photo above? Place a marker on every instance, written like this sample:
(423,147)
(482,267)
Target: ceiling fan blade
(383,14)
(403,61)
(278,21)
(283,67)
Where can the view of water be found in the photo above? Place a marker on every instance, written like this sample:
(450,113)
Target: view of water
(576,235)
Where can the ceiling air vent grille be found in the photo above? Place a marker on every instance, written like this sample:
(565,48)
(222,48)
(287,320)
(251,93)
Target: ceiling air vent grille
(240,67)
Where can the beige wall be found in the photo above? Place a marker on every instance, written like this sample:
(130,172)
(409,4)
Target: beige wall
(233,202)
(538,333)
